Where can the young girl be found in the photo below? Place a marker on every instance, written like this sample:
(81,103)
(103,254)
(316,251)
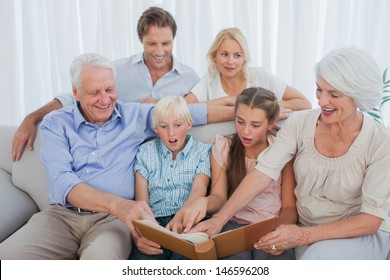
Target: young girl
(233,157)
(170,172)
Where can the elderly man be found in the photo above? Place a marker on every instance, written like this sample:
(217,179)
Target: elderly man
(88,151)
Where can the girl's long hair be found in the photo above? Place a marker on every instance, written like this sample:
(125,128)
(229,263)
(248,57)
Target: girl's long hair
(255,98)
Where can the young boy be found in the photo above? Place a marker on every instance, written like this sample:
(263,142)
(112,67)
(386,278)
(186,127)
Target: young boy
(170,172)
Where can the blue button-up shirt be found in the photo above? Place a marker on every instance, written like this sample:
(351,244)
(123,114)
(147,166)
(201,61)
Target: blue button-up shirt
(170,181)
(74,150)
(133,81)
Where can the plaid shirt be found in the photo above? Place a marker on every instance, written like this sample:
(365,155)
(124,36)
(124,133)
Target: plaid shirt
(170,181)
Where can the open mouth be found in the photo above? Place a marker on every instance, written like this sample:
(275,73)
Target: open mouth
(328,112)
(103,107)
(159,58)
(246,140)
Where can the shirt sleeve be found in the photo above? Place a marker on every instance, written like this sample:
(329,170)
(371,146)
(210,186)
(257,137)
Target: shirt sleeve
(272,160)
(140,163)
(261,77)
(200,89)
(375,189)
(57,160)
(66,99)
(204,159)
(199,113)
(220,150)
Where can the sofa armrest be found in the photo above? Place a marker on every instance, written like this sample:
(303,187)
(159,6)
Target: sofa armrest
(28,174)
(6,135)
(16,207)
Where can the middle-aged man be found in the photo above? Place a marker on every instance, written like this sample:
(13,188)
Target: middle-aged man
(144,77)
(88,150)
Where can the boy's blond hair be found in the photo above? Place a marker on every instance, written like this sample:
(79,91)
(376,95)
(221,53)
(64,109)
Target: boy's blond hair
(171,105)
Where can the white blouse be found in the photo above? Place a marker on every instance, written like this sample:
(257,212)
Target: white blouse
(330,189)
(209,89)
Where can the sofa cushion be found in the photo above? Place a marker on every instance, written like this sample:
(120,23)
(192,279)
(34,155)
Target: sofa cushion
(11,217)
(205,133)
(29,175)
(6,135)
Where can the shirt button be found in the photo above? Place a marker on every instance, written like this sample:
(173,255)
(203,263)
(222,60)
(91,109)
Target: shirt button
(171,165)
(168,180)
(93,153)
(87,170)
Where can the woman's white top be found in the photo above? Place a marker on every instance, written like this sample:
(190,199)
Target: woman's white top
(209,89)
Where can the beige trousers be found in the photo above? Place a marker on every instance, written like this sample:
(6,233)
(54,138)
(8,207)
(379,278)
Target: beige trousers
(59,233)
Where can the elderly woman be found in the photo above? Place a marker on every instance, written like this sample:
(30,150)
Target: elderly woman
(343,189)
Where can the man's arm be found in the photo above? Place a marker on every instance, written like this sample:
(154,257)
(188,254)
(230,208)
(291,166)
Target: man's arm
(25,135)
(85,196)
(219,113)
(203,113)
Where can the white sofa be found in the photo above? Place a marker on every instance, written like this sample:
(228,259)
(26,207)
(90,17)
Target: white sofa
(23,185)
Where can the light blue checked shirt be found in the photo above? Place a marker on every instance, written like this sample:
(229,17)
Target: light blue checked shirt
(133,81)
(170,181)
(74,150)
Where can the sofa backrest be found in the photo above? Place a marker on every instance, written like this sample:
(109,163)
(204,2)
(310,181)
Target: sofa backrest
(205,133)
(6,135)
(28,174)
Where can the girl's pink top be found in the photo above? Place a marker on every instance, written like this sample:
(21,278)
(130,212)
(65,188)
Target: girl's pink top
(264,205)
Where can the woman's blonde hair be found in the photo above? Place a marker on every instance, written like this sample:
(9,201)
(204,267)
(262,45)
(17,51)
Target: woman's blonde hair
(228,33)
(171,105)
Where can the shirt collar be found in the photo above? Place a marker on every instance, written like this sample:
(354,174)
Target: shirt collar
(177,66)
(79,118)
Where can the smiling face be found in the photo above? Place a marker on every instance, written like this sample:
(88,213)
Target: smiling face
(252,126)
(229,58)
(158,45)
(173,131)
(335,106)
(96,94)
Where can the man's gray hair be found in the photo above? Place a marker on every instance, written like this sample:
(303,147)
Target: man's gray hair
(355,73)
(87,59)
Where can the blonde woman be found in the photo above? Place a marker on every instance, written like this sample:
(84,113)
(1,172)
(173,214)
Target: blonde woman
(229,74)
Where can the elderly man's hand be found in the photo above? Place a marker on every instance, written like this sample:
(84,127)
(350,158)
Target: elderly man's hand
(25,135)
(129,210)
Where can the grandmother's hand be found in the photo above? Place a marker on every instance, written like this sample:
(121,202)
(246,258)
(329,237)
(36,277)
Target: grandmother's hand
(282,238)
